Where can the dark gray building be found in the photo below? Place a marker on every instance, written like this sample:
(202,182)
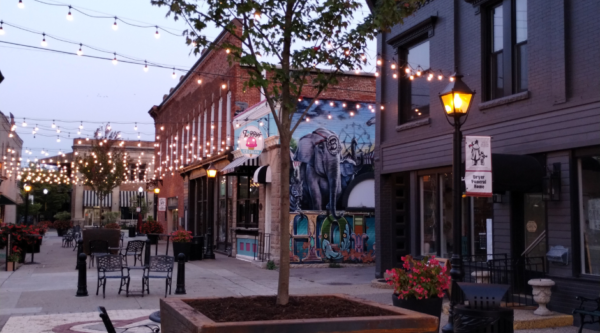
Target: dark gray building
(535,67)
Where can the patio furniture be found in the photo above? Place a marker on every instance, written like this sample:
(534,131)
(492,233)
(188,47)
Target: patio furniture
(111,263)
(161,267)
(135,249)
(68,239)
(110,328)
(76,237)
(112,236)
(97,248)
(122,237)
(592,310)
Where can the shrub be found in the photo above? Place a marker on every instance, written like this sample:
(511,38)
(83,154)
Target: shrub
(60,224)
(20,234)
(419,279)
(111,217)
(152,227)
(112,225)
(63,216)
(271,265)
(181,236)
(45,224)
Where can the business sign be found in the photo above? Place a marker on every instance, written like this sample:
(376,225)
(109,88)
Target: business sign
(250,141)
(162,204)
(478,166)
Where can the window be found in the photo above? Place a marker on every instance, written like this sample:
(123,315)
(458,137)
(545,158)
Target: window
(137,172)
(414,94)
(507,55)
(247,205)
(589,212)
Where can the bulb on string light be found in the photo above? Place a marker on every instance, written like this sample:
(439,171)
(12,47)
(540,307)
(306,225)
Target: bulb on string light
(145,66)
(440,76)
(257,14)
(135,128)
(227,51)
(174,75)
(356,71)
(199,81)
(363,57)
(81,126)
(69,16)
(329,116)
(107,127)
(223,86)
(115,26)
(419,71)
(430,76)
(395,76)
(21,5)
(138,135)
(24,123)
(157,34)
(412,77)
(53,124)
(376,74)
(44,43)
(407,69)
(258,55)
(451,79)
(115,61)
(57,138)
(330,103)
(343,105)
(393,65)
(1,29)
(80,52)
(307,119)
(36,128)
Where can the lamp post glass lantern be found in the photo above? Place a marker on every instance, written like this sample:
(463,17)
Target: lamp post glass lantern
(211,172)
(140,195)
(456,100)
(27,188)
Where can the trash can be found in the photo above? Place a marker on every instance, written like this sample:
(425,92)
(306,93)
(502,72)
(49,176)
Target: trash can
(197,248)
(483,313)
(131,231)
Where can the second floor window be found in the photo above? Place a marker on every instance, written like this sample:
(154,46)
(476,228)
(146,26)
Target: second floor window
(414,93)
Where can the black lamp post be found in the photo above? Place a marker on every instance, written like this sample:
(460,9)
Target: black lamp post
(211,172)
(27,188)
(140,195)
(456,99)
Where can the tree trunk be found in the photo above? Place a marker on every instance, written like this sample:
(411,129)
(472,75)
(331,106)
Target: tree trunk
(283,288)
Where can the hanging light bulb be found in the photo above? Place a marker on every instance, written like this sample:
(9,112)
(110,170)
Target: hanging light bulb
(329,116)
(157,34)
(21,5)
(393,66)
(53,124)
(57,138)
(343,105)
(363,57)
(419,71)
(430,76)
(395,76)
(451,79)
(258,55)
(412,77)
(81,126)
(174,75)
(227,51)
(107,127)
(351,113)
(44,43)
(115,61)
(257,14)
(69,16)
(115,26)
(58,129)
(145,66)
(307,119)
(376,74)
(135,128)
(329,45)
(407,69)
(80,52)
(199,80)
(224,86)
(440,76)
(138,135)
(24,123)
(1,29)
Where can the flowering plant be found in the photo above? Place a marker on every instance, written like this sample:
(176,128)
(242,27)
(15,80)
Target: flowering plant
(181,236)
(20,234)
(419,279)
(152,227)
(15,254)
(59,224)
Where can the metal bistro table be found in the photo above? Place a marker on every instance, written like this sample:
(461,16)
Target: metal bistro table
(155,316)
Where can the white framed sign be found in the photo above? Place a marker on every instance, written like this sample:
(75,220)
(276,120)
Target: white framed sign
(478,166)
(250,141)
(162,204)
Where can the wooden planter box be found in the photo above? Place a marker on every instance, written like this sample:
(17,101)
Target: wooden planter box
(177,316)
(12,266)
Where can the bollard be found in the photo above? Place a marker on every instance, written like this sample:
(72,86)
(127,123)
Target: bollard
(147,253)
(82,280)
(180,275)
(79,251)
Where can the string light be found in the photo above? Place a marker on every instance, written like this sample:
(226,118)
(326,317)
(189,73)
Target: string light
(145,66)
(80,52)
(379,62)
(376,74)
(21,5)
(135,128)
(115,26)
(257,15)
(395,76)
(81,126)
(224,86)
(107,127)
(1,29)
(227,51)
(199,80)
(440,76)
(53,124)
(115,61)
(329,116)
(44,43)
(419,70)
(24,123)
(157,34)
(69,16)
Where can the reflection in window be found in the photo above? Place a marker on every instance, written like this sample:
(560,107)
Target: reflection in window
(429,220)
(415,93)
(589,194)
(496,56)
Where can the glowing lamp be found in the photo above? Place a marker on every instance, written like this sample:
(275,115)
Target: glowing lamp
(211,171)
(157,190)
(456,98)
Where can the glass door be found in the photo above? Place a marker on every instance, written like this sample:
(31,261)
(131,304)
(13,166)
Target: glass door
(534,225)
(222,213)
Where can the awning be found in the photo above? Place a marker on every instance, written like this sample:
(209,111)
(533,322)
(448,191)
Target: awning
(518,173)
(4,200)
(262,175)
(125,198)
(90,199)
(242,161)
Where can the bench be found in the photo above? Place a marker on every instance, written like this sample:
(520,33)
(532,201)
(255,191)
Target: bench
(593,310)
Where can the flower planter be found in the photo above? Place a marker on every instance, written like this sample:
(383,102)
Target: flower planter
(542,291)
(61,232)
(431,306)
(180,247)
(153,239)
(11,266)
(178,316)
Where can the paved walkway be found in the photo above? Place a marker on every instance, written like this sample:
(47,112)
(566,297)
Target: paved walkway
(41,298)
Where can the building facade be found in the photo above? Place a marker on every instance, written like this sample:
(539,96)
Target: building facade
(11,146)
(535,67)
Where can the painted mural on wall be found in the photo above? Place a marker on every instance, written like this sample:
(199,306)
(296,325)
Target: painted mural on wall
(322,238)
(329,149)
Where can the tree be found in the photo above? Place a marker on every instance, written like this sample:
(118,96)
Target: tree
(104,167)
(57,186)
(312,42)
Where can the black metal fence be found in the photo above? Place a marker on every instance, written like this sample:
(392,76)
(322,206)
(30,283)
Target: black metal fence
(501,269)
(263,243)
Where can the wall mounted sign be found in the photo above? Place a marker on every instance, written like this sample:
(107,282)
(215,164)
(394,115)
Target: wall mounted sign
(250,141)
(478,162)
(162,204)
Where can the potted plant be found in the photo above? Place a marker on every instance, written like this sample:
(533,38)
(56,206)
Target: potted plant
(26,238)
(63,222)
(13,259)
(152,227)
(44,226)
(419,285)
(112,225)
(181,243)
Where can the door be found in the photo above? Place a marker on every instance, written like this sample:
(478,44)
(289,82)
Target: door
(222,213)
(534,214)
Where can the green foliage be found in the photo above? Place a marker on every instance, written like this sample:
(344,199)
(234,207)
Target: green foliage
(111,217)
(32,209)
(57,195)
(271,265)
(293,144)
(133,202)
(62,216)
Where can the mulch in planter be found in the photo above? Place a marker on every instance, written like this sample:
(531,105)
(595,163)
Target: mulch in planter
(231,309)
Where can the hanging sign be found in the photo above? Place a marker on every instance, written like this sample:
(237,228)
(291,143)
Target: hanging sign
(478,166)
(162,204)
(250,141)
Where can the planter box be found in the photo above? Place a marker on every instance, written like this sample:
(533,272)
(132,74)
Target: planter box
(112,236)
(180,247)
(177,316)
(12,266)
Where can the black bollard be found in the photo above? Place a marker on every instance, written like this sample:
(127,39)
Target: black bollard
(209,254)
(79,251)
(147,254)
(82,280)
(180,275)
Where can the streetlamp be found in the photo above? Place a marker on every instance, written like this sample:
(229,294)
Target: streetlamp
(45,191)
(211,172)
(456,99)
(140,195)
(156,192)
(27,188)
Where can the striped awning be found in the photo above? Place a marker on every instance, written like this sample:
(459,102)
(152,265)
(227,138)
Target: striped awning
(262,175)
(242,161)
(125,198)
(90,199)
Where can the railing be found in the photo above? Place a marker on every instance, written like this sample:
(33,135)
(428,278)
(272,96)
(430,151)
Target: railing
(501,269)
(263,244)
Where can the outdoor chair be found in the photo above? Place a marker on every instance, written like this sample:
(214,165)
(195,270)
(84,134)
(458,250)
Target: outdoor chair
(110,328)
(111,263)
(76,238)
(135,249)
(122,238)
(68,238)
(97,248)
(161,267)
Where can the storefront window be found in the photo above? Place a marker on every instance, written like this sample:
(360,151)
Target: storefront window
(429,220)
(589,198)
(247,202)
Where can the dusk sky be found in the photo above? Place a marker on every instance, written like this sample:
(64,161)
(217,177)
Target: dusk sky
(43,86)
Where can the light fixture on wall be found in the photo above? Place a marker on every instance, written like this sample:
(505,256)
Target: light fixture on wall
(211,171)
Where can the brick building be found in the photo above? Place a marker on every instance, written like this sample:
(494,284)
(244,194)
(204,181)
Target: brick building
(535,67)
(198,125)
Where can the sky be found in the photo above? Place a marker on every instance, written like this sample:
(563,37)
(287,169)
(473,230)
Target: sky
(43,87)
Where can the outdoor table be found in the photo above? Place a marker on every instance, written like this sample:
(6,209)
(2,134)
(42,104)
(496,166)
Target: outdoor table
(155,316)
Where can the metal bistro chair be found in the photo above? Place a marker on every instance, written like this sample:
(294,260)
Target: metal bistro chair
(76,238)
(110,328)
(111,263)
(97,248)
(122,238)
(135,249)
(159,264)
(67,240)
